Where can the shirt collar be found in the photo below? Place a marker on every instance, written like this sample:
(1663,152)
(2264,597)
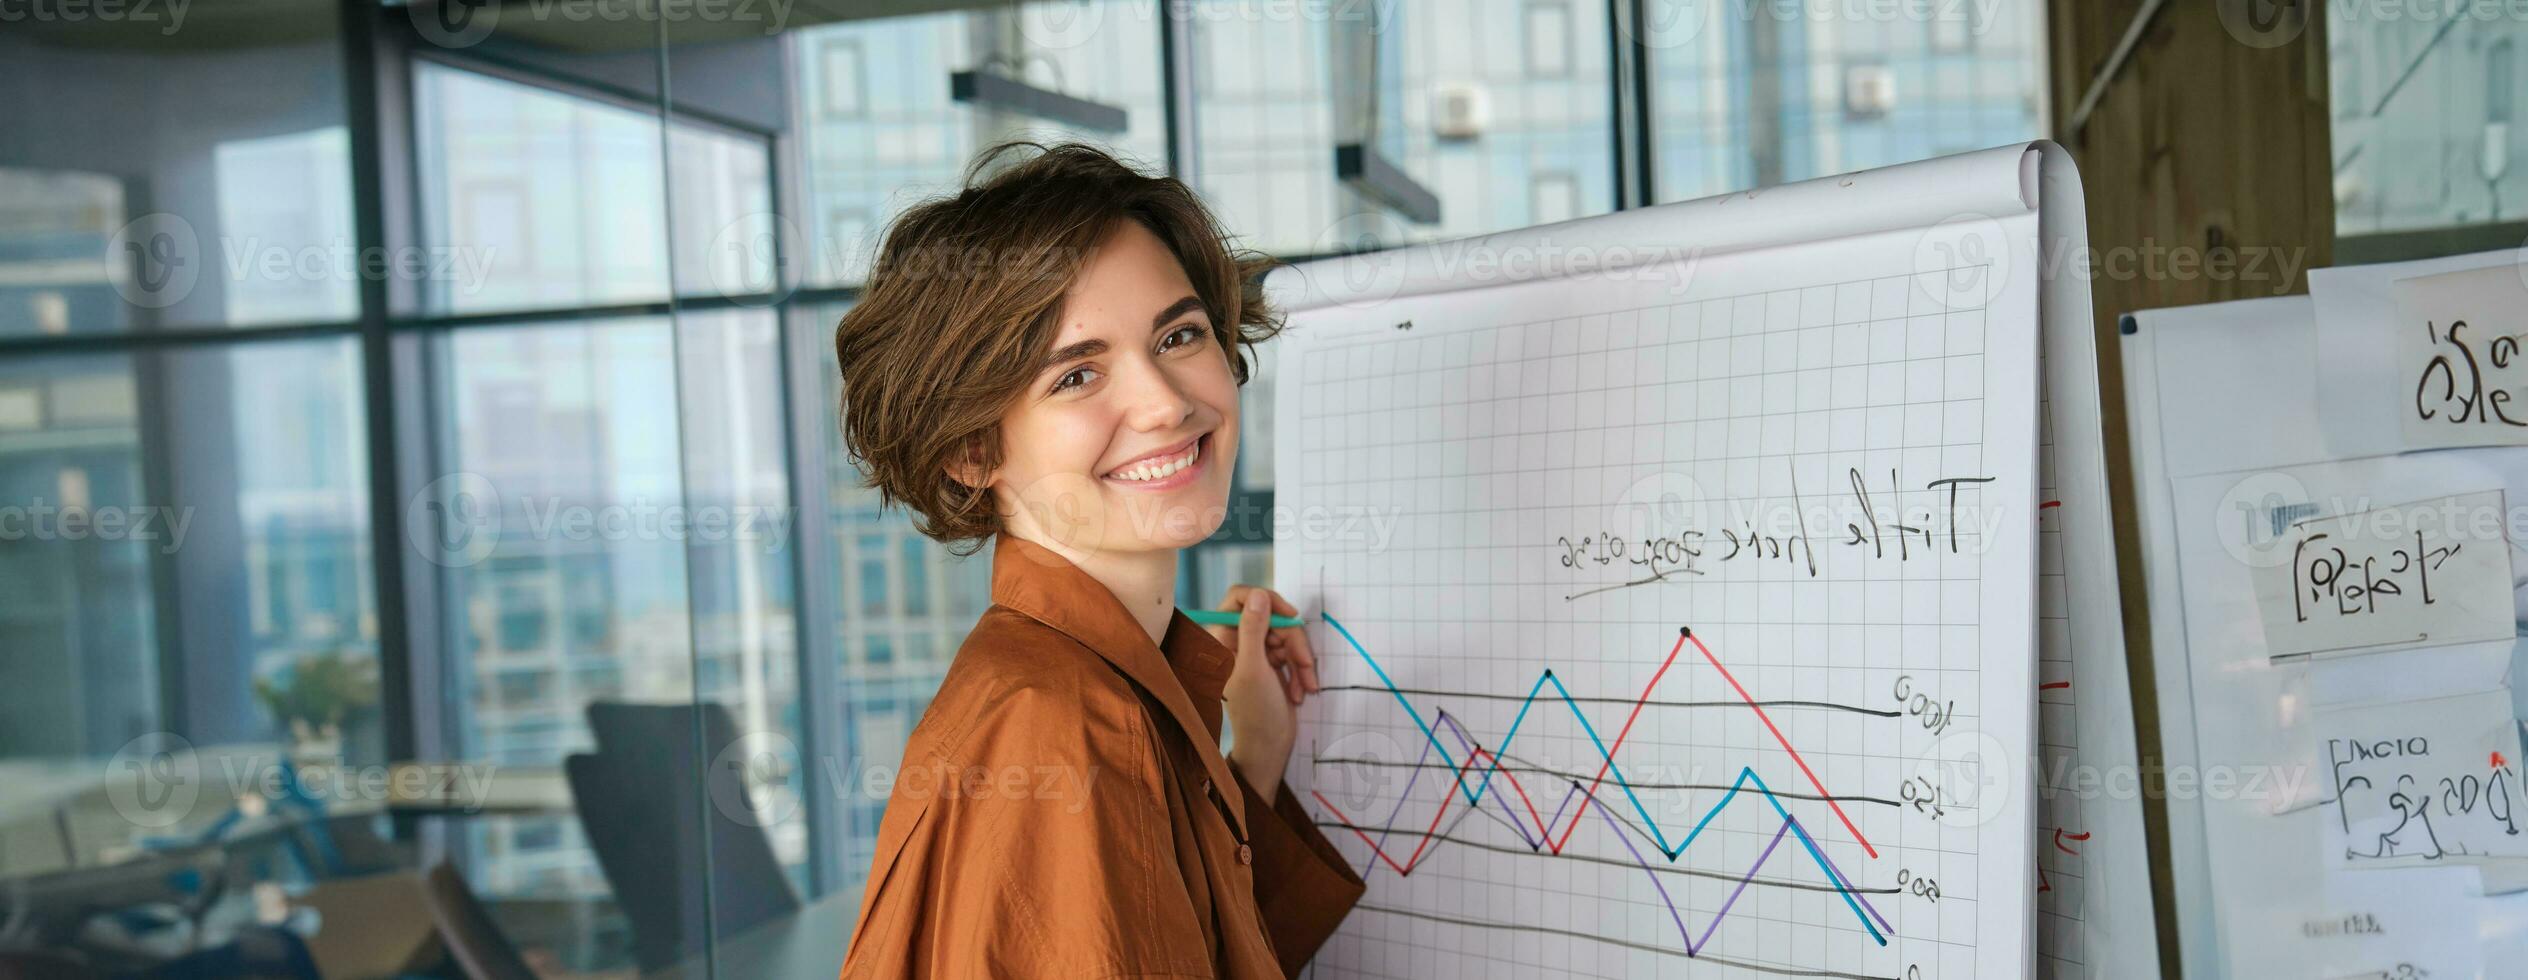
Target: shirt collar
(1186,672)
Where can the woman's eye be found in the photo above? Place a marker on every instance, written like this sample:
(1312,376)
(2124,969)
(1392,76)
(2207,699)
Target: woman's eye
(1076,377)
(1188,334)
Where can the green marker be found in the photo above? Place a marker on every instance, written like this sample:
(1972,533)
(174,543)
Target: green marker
(1216,617)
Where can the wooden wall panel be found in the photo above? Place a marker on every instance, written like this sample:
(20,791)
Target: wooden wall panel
(2211,137)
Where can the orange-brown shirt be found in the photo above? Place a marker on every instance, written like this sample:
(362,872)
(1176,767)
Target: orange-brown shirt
(1064,809)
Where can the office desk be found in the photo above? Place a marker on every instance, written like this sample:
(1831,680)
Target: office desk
(805,946)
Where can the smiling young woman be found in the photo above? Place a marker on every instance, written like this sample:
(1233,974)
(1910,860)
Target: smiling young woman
(1049,362)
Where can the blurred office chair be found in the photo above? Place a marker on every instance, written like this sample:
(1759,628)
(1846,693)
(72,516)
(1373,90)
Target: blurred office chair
(473,940)
(650,804)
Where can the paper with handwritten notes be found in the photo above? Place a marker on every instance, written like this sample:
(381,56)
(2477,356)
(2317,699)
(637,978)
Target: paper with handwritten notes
(2425,782)
(2226,460)
(2463,374)
(2429,572)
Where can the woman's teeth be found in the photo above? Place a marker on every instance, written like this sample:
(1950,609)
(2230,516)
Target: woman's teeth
(1145,472)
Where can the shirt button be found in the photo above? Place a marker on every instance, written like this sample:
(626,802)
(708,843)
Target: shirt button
(1246,855)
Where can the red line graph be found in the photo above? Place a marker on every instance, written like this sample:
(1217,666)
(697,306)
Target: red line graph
(1431,832)
(1685,635)
(1682,634)
(1777,736)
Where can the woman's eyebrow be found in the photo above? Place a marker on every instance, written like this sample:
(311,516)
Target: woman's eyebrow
(1092,348)
(1072,352)
(1176,309)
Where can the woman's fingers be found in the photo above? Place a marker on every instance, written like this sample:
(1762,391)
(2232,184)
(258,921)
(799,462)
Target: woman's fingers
(1253,624)
(1287,647)
(1303,662)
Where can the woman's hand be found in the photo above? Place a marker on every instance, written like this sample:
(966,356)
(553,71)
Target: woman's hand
(1275,672)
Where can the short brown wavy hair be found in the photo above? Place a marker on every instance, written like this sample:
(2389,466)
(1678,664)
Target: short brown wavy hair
(962,303)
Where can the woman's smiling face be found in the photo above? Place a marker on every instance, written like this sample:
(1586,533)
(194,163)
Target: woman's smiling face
(1124,440)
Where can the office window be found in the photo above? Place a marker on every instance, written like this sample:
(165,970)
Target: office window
(916,564)
(623,477)
(81,679)
(873,575)
(552,200)
(224,204)
(737,551)
(720,192)
(1545,101)
(1265,112)
(1549,39)
(1953,29)
(260,525)
(1472,100)
(1869,90)
(915,142)
(2423,128)
(1553,197)
(1255,419)
(2501,69)
(554,429)
(535,199)
(844,89)
(275,191)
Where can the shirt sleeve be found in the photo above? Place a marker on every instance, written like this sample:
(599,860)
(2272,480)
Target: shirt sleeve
(1303,886)
(1030,855)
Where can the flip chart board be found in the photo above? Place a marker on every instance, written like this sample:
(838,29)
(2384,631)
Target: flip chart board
(1746,600)
(2309,833)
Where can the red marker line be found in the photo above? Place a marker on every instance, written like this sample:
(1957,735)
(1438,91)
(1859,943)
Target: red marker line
(1619,740)
(1786,743)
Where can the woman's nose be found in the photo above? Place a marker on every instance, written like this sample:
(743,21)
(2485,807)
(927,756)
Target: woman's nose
(1156,402)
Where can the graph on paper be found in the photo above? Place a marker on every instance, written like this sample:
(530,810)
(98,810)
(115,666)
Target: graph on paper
(1700,631)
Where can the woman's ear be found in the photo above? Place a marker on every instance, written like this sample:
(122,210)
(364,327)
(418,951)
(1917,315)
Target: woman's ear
(966,466)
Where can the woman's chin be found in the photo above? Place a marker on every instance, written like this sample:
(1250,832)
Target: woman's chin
(1178,521)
